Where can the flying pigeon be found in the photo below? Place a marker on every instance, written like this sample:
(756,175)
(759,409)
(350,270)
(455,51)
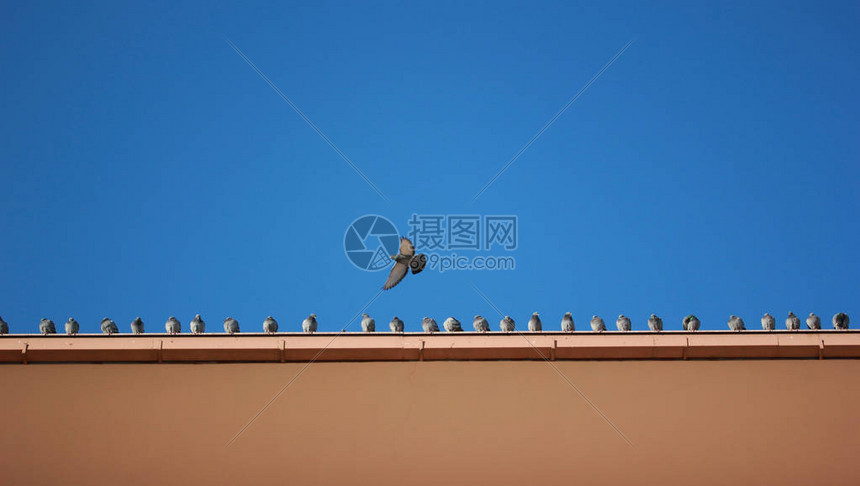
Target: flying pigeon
(137,326)
(507,324)
(623,323)
(270,325)
(405,260)
(535,324)
(310,324)
(429,325)
(4,328)
(736,323)
(109,327)
(813,321)
(768,323)
(231,326)
(567,324)
(452,325)
(597,324)
(72,326)
(792,323)
(198,325)
(655,324)
(691,323)
(480,324)
(367,323)
(46,326)
(173,326)
(840,321)
(396,325)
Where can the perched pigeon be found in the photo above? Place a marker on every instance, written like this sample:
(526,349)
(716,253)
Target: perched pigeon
(567,324)
(429,325)
(655,324)
(270,325)
(46,326)
(768,323)
(623,323)
(481,324)
(137,326)
(691,323)
(310,323)
(840,321)
(72,326)
(396,324)
(736,323)
(231,326)
(535,324)
(507,324)
(452,325)
(813,321)
(109,327)
(405,260)
(792,323)
(4,328)
(198,325)
(597,324)
(367,323)
(173,326)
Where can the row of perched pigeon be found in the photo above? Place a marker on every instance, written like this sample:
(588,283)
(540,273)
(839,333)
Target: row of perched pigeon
(507,324)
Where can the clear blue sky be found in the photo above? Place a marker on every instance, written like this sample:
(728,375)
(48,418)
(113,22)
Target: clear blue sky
(147,170)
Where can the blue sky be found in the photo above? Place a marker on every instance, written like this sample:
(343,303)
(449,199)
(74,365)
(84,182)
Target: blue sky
(148,170)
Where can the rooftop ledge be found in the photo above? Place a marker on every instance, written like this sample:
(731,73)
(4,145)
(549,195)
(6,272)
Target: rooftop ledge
(463,346)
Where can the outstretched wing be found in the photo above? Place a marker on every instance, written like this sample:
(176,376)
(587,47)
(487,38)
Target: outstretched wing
(406,247)
(417,263)
(397,273)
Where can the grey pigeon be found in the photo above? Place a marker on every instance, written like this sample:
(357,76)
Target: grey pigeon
(792,323)
(840,321)
(4,328)
(198,325)
(429,325)
(231,326)
(72,326)
(655,324)
(691,323)
(137,326)
(270,325)
(452,325)
(623,323)
(813,321)
(535,324)
(404,261)
(109,327)
(736,323)
(46,326)
(310,324)
(768,323)
(507,324)
(396,324)
(567,324)
(367,323)
(480,324)
(173,326)
(597,324)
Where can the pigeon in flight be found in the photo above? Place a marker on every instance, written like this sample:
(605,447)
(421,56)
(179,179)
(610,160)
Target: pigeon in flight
(768,323)
(597,324)
(231,326)
(813,321)
(72,326)
(535,325)
(736,323)
(507,324)
(792,323)
(4,328)
(367,323)
(840,321)
(396,325)
(623,323)
(567,324)
(109,327)
(173,326)
(452,325)
(198,325)
(429,325)
(691,323)
(655,324)
(270,325)
(480,324)
(310,324)
(405,260)
(137,326)
(46,326)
